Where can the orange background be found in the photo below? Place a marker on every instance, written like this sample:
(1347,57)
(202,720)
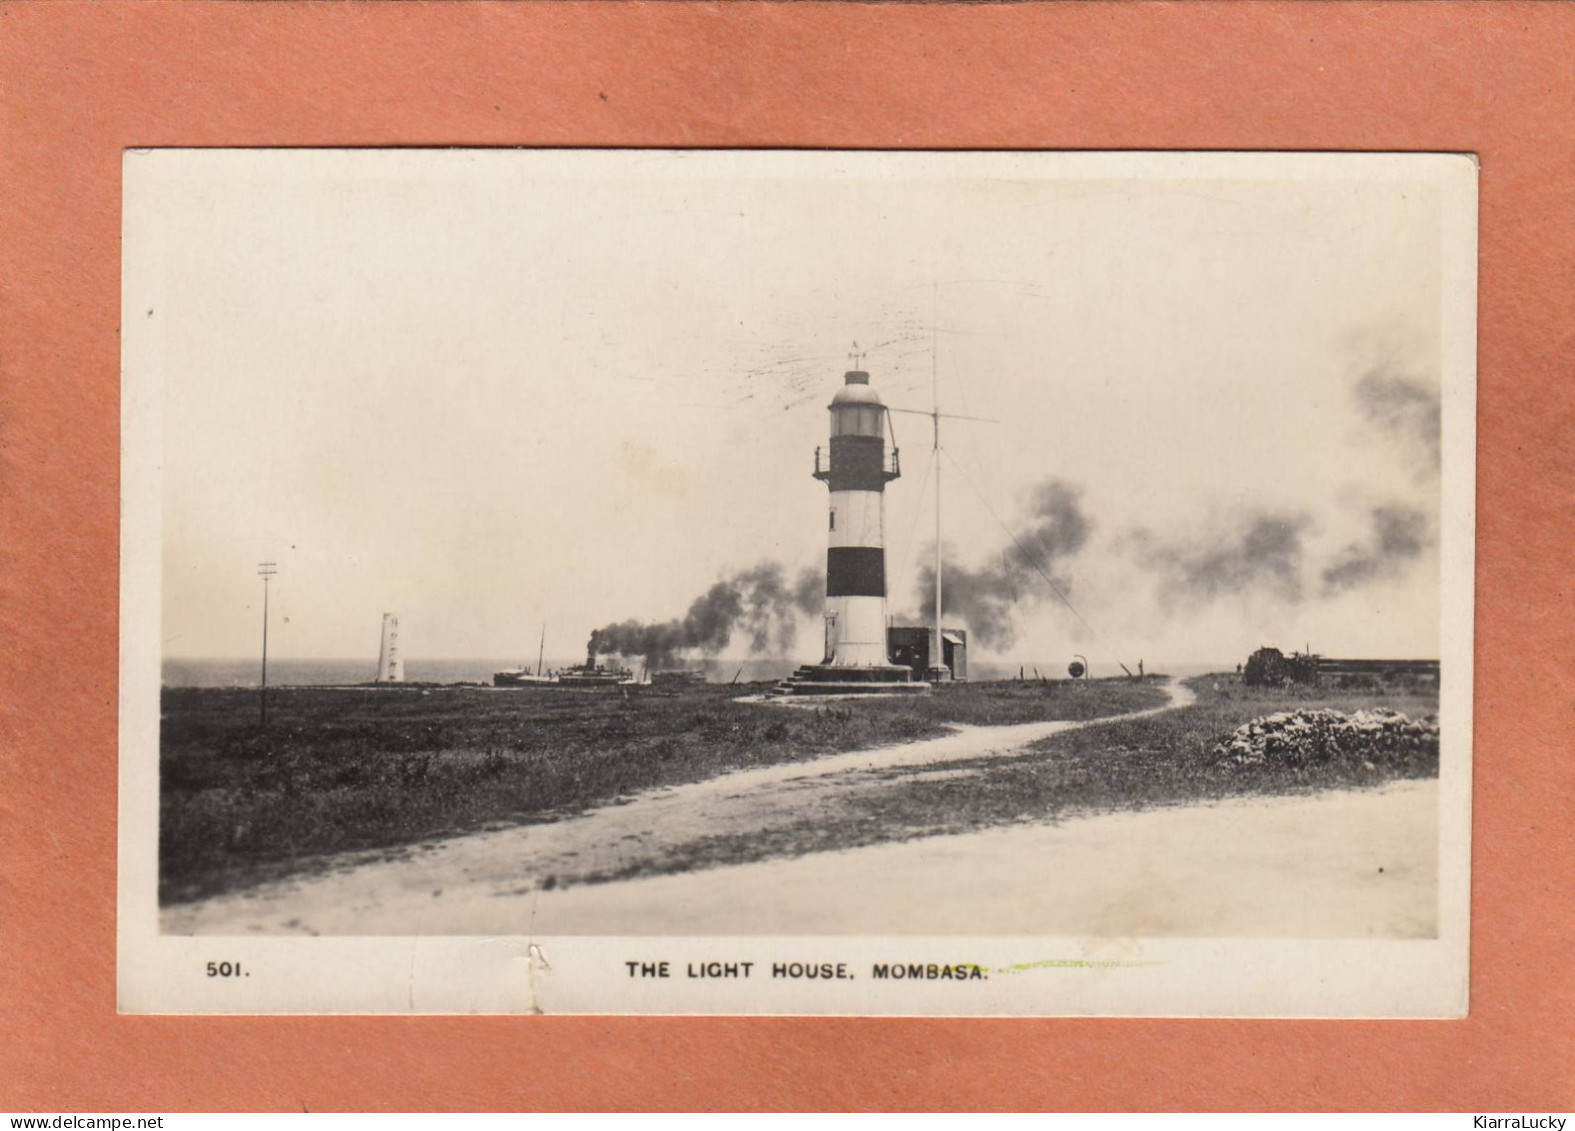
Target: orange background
(82,81)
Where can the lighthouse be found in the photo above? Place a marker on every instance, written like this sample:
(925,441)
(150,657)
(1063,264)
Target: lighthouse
(855,466)
(857,470)
(390,661)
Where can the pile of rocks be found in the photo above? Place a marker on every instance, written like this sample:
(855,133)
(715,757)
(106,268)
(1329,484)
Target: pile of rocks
(1298,738)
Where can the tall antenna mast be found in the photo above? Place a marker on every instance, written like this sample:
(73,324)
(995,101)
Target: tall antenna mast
(937,666)
(265,570)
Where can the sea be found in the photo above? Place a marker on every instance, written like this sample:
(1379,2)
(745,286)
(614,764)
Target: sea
(285,672)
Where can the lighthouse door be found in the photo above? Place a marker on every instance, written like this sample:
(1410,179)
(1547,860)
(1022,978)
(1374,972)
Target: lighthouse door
(831,637)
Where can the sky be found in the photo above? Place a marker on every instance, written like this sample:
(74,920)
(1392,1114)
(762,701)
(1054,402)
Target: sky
(496,391)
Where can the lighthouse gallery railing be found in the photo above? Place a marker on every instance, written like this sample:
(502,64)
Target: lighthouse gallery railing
(891,464)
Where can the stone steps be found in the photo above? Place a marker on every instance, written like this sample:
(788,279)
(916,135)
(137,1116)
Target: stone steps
(812,679)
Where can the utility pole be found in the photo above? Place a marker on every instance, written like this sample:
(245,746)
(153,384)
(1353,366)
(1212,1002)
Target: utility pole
(938,650)
(265,570)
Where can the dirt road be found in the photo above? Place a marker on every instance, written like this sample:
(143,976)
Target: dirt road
(1345,864)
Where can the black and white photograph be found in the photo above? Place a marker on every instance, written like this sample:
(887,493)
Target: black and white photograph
(663,581)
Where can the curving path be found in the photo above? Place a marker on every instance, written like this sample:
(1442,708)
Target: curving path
(493,883)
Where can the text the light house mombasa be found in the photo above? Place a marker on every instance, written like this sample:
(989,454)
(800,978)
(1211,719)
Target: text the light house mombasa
(856,467)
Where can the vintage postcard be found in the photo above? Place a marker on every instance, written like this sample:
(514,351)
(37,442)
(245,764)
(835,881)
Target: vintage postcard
(759,582)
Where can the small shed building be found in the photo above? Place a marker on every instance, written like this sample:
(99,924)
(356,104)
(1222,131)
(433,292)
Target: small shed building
(909,645)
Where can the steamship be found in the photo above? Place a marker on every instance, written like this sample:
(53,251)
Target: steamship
(592,674)
(523,677)
(587,675)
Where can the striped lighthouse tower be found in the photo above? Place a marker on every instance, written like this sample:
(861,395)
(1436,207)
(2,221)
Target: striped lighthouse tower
(857,473)
(856,467)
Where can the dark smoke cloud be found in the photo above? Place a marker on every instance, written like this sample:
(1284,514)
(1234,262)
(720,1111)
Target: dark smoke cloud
(1260,552)
(758,605)
(1056,526)
(1405,408)
(1399,535)
(809,592)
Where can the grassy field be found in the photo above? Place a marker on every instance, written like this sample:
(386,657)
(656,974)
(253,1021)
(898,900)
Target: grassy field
(1162,759)
(349,770)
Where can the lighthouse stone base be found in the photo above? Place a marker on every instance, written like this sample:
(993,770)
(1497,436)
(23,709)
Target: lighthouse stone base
(831,679)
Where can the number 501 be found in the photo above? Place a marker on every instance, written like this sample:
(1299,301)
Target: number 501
(224,970)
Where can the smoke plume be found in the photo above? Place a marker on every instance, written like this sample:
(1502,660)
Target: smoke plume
(1260,551)
(1056,526)
(1399,534)
(758,605)
(1405,408)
